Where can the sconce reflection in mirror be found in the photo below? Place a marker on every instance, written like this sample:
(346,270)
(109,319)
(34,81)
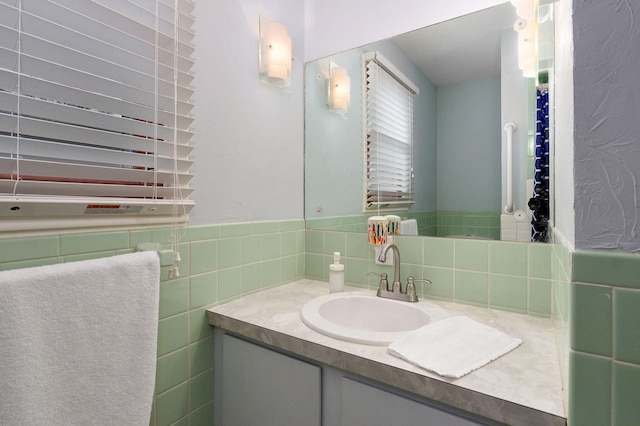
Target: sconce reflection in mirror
(338,89)
(274,54)
(526,28)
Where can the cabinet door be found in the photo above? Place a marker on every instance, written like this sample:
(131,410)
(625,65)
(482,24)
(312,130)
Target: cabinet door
(365,405)
(265,388)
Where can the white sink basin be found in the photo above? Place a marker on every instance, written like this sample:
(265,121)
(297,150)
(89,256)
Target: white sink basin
(362,317)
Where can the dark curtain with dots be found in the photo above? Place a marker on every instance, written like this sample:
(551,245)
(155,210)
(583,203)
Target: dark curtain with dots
(539,203)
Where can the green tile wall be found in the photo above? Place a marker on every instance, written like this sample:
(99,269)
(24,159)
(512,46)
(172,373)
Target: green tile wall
(219,262)
(508,276)
(604,352)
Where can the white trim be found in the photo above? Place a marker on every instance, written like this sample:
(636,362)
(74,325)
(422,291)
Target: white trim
(391,69)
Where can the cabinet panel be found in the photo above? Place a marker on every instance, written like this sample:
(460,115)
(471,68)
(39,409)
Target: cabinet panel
(365,405)
(265,388)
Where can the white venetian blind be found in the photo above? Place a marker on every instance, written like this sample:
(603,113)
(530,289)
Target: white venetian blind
(389,135)
(95,105)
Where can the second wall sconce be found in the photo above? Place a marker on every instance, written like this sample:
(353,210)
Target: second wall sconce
(338,89)
(274,53)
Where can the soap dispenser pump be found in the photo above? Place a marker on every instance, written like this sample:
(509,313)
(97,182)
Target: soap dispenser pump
(336,274)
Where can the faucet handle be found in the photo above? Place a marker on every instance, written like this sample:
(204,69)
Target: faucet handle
(384,282)
(411,280)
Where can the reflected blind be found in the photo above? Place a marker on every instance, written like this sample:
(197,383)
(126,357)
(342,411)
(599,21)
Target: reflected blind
(95,102)
(389,135)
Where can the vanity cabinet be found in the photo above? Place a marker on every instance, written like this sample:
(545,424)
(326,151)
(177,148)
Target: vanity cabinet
(256,385)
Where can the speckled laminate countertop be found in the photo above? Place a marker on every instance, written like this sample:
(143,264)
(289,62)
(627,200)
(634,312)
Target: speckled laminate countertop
(523,387)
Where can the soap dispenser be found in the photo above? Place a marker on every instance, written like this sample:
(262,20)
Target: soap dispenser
(336,274)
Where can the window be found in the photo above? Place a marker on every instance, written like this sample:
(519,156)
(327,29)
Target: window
(389,135)
(95,107)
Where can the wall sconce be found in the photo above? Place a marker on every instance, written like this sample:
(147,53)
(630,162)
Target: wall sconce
(527,31)
(274,53)
(338,89)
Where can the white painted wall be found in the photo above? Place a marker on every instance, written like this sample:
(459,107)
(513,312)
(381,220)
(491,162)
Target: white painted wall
(335,25)
(248,136)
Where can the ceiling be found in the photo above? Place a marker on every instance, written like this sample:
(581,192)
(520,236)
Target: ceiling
(461,49)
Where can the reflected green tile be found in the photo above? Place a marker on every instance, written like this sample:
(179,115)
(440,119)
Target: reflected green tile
(540,260)
(288,243)
(591,319)
(315,267)
(509,292)
(201,356)
(201,389)
(508,258)
(626,379)
(201,232)
(271,272)
(290,268)
(251,277)
(159,235)
(627,325)
(88,243)
(236,229)
(335,241)
(441,286)
(357,246)
(172,405)
(355,271)
(299,265)
(270,246)
(251,249)
(540,296)
(438,252)
(229,283)
(410,249)
(173,333)
(291,225)
(314,242)
(199,327)
(202,416)
(266,227)
(30,263)
(203,256)
(204,289)
(589,391)
(229,252)
(600,267)
(172,369)
(87,256)
(174,297)
(472,287)
(472,255)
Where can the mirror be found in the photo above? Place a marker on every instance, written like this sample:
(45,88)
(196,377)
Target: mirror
(470,87)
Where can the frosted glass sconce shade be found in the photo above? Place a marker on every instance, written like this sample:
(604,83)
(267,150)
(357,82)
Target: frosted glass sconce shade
(274,53)
(339,90)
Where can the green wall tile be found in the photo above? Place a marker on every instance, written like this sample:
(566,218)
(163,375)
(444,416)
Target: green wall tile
(271,272)
(229,252)
(30,263)
(471,255)
(289,243)
(335,241)
(540,296)
(251,249)
(589,389)
(16,249)
(270,246)
(236,229)
(442,283)
(626,388)
(508,258)
(173,333)
(315,267)
(199,327)
(200,356)
(357,246)
(160,235)
(508,292)
(251,277)
(267,227)
(355,271)
(540,260)
(172,405)
(172,369)
(201,232)
(229,283)
(438,252)
(200,389)
(203,256)
(610,268)
(591,319)
(410,249)
(291,225)
(88,243)
(174,297)
(627,325)
(202,416)
(88,256)
(472,287)
(314,242)
(203,289)
(290,268)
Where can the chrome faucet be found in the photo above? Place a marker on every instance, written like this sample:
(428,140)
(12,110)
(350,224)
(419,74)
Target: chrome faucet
(396,288)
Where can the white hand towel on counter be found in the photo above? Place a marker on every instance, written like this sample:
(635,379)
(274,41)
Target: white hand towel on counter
(409,227)
(454,346)
(78,342)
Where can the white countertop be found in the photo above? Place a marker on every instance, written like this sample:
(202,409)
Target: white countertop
(523,387)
